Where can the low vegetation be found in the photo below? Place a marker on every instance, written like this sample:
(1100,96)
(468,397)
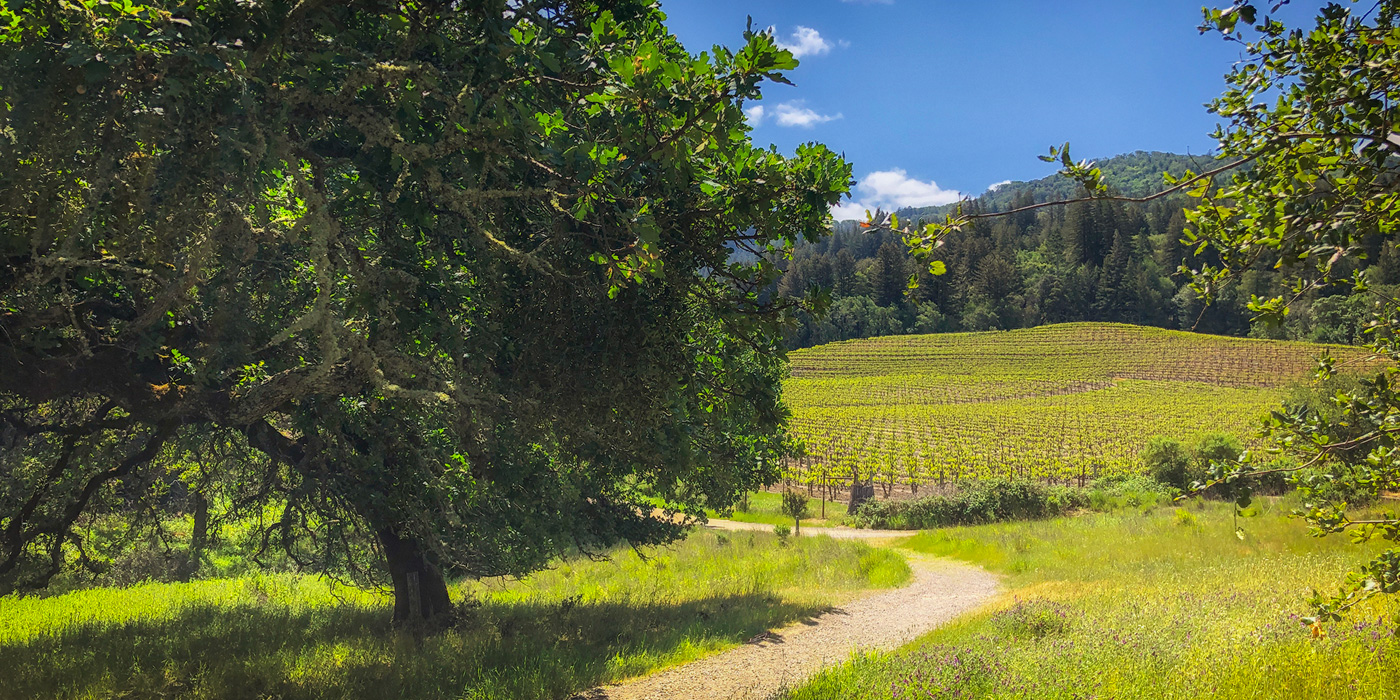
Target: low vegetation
(1064,404)
(560,631)
(998,500)
(1167,603)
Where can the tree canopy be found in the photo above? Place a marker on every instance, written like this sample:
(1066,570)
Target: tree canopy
(457,278)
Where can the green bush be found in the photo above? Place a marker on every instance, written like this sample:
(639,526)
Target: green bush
(1275,483)
(1169,462)
(982,502)
(1128,491)
(1004,500)
(1185,518)
(1216,447)
(795,507)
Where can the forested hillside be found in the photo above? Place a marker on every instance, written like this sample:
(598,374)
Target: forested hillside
(1091,261)
(1135,174)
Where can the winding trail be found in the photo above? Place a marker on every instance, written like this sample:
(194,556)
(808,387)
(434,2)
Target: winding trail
(881,620)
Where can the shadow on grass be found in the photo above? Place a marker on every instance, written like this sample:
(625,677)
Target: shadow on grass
(255,650)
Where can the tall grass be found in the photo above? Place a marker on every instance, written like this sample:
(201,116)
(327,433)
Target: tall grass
(580,624)
(1165,604)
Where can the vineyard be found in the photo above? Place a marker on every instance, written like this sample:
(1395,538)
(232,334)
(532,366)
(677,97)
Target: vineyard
(1065,404)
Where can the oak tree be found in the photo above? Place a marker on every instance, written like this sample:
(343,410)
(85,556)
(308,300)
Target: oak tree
(453,281)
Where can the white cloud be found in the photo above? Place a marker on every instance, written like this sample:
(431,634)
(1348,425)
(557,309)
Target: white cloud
(805,41)
(997,185)
(895,188)
(754,114)
(849,210)
(891,190)
(795,113)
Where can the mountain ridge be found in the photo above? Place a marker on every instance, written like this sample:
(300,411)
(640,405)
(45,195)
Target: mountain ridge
(1134,174)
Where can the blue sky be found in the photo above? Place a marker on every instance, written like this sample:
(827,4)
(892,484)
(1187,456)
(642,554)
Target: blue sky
(931,98)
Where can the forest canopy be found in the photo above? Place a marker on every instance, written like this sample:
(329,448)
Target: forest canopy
(1091,260)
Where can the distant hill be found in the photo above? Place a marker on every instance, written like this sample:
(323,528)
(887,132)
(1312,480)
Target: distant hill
(1135,174)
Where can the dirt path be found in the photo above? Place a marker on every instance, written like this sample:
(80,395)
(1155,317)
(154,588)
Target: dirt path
(882,620)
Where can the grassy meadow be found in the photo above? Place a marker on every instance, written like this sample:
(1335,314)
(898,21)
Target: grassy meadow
(582,623)
(1167,603)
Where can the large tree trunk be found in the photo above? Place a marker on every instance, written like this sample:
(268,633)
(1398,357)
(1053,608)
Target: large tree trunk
(420,593)
(199,538)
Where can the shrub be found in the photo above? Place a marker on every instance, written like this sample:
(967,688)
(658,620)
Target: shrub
(1033,619)
(1001,500)
(795,507)
(1275,483)
(783,532)
(974,504)
(1216,447)
(1335,484)
(1128,491)
(1168,462)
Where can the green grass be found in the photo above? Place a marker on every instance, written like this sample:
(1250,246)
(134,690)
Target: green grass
(560,631)
(767,508)
(1061,403)
(1166,604)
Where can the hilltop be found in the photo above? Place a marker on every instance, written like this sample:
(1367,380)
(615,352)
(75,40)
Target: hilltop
(1083,351)
(1135,174)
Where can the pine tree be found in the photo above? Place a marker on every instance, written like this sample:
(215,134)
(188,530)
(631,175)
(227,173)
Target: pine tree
(1075,232)
(1171,251)
(890,275)
(843,273)
(1109,303)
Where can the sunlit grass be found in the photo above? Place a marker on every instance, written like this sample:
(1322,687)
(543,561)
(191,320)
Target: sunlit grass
(767,508)
(577,625)
(1134,605)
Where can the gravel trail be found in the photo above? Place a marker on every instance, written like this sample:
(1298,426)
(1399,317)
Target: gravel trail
(880,620)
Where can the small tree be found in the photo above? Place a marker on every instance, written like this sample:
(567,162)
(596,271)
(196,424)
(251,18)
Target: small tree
(795,507)
(1216,447)
(1219,451)
(1168,462)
